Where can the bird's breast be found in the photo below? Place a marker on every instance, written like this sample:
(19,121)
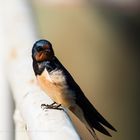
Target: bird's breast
(54,84)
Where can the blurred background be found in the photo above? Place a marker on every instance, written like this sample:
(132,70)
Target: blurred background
(99,43)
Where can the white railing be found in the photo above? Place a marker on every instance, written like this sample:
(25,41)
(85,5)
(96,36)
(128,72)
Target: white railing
(30,120)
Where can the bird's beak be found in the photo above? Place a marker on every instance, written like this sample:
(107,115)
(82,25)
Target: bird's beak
(40,56)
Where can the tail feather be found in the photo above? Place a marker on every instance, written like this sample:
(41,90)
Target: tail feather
(92,116)
(79,113)
(99,127)
(92,132)
(102,120)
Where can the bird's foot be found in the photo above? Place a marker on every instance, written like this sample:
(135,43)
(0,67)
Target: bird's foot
(51,106)
(54,103)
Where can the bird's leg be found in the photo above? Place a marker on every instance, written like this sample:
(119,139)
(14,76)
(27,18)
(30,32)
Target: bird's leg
(49,106)
(54,105)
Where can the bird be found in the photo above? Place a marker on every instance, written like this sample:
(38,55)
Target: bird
(60,86)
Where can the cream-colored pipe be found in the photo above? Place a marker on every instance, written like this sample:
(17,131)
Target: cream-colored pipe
(32,123)
(6,132)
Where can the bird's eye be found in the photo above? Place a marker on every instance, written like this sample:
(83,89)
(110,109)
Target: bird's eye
(39,49)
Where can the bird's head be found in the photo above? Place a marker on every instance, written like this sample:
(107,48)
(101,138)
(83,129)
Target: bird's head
(42,51)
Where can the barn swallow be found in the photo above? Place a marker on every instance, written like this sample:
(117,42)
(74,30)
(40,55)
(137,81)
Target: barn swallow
(60,86)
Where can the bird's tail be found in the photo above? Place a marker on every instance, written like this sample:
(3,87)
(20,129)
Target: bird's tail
(87,113)
(79,113)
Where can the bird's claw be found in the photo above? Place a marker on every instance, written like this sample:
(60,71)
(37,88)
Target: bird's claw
(51,106)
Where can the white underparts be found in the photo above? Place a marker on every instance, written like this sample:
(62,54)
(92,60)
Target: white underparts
(55,85)
(55,76)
